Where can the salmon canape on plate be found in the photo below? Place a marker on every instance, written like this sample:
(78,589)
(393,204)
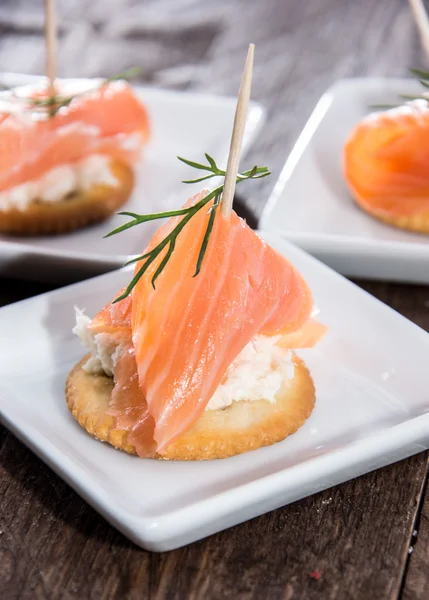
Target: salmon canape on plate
(195,359)
(67,160)
(386,158)
(386,165)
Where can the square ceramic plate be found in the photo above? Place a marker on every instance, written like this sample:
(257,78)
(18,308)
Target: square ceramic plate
(371,377)
(311,206)
(182,123)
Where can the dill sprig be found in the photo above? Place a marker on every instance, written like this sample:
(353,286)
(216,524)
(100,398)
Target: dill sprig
(169,242)
(423,77)
(52,104)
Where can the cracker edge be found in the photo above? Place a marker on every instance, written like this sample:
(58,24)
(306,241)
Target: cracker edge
(216,434)
(83,209)
(418,223)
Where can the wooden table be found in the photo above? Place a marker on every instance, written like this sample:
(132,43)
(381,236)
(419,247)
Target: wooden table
(365,539)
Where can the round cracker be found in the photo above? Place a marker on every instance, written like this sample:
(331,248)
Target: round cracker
(79,210)
(238,428)
(418,223)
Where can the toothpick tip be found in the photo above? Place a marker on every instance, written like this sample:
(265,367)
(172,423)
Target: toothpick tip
(237,135)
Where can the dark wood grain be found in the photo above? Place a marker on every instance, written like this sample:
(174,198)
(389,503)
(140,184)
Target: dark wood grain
(357,536)
(416,579)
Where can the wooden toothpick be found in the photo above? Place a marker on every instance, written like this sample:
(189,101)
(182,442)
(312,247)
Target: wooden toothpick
(50,44)
(422,21)
(237,135)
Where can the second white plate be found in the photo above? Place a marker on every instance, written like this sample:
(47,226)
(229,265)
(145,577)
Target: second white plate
(182,123)
(311,205)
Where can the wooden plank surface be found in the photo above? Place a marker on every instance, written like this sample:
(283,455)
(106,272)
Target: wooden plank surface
(416,578)
(348,542)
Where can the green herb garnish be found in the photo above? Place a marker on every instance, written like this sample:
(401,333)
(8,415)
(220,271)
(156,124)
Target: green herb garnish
(52,104)
(169,241)
(127,74)
(423,77)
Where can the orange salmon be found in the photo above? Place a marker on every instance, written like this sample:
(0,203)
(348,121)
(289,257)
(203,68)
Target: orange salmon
(107,120)
(386,161)
(186,332)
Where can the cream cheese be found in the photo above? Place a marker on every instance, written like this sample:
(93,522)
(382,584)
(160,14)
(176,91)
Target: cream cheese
(105,348)
(256,373)
(59,182)
(95,169)
(130,142)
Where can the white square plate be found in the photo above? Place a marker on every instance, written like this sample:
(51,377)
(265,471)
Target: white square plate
(312,207)
(182,123)
(372,383)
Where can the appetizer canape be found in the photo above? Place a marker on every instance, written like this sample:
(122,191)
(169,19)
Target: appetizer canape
(67,160)
(194,360)
(386,160)
(386,165)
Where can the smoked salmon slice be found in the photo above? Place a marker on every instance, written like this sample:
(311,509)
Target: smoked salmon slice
(110,120)
(386,161)
(128,404)
(113,316)
(185,332)
(307,337)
